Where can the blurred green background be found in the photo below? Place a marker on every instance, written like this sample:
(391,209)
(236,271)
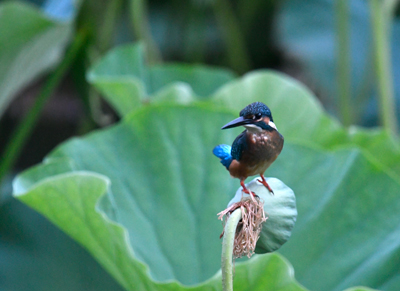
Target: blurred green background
(346,52)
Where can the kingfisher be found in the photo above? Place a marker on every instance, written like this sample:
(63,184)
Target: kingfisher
(255,149)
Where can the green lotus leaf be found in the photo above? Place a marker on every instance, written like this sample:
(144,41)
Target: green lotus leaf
(36,255)
(127,82)
(144,203)
(30,44)
(152,188)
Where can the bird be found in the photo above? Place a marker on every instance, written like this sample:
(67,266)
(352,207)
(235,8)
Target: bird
(255,149)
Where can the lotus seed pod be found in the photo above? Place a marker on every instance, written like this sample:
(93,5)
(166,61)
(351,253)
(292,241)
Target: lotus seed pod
(280,210)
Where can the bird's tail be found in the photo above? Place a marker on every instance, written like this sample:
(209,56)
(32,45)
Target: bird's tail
(223,151)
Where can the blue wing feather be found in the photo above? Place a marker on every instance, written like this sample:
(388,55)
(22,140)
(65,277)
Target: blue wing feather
(239,144)
(223,151)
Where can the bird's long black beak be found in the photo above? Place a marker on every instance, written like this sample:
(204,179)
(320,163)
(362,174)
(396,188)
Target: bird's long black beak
(237,122)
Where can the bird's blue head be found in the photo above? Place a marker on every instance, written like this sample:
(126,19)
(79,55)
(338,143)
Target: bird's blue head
(255,117)
(257,110)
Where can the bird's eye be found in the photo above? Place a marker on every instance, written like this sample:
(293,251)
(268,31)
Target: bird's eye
(258,115)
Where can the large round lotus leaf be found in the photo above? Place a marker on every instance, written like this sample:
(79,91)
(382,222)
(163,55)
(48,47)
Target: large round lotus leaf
(143,198)
(280,210)
(156,228)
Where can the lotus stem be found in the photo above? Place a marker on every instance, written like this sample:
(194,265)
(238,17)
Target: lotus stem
(343,61)
(381,17)
(227,249)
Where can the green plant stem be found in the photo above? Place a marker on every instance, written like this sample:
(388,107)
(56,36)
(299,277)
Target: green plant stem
(381,18)
(227,249)
(343,61)
(141,28)
(366,86)
(24,129)
(234,38)
(108,25)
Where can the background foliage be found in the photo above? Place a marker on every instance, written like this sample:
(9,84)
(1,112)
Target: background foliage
(346,179)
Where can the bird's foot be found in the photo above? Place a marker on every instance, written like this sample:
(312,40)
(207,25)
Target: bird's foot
(264,182)
(252,194)
(247,191)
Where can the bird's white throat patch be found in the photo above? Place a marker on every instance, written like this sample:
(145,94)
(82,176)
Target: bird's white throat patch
(253,128)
